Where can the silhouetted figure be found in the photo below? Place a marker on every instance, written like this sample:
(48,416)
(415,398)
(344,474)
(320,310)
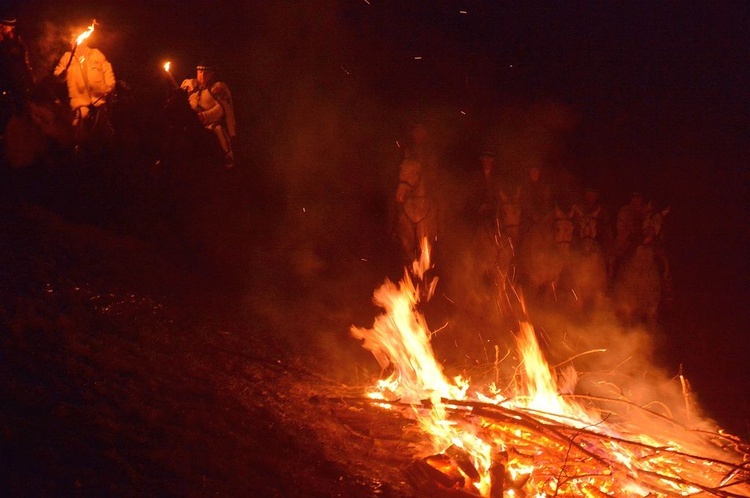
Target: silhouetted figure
(629,229)
(15,72)
(485,196)
(536,199)
(594,221)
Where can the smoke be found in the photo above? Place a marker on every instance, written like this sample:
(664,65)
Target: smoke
(323,115)
(53,41)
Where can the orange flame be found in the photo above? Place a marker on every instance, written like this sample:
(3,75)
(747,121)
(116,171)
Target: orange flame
(167,68)
(534,460)
(83,36)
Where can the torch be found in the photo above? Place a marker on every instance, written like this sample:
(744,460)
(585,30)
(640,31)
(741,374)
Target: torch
(80,39)
(167,66)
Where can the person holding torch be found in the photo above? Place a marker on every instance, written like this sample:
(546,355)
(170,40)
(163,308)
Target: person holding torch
(89,78)
(211,100)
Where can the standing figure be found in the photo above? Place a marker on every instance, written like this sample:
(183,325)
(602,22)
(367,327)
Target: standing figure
(416,218)
(628,230)
(416,214)
(536,200)
(90,81)
(420,147)
(488,187)
(15,72)
(212,102)
(493,248)
(593,222)
(643,276)
(587,273)
(31,119)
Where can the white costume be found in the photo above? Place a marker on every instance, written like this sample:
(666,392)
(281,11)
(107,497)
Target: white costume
(89,78)
(215,110)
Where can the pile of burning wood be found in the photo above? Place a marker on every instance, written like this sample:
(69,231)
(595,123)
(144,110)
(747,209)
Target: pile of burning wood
(537,455)
(534,441)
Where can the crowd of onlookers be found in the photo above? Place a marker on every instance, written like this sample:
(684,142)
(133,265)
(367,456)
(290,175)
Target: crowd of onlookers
(527,232)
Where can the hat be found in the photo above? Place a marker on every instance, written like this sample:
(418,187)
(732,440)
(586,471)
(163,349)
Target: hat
(205,64)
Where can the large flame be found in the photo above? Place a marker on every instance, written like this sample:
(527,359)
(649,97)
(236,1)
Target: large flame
(533,441)
(83,36)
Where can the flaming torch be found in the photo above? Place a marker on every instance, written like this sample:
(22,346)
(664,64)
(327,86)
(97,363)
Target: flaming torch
(167,66)
(83,36)
(80,39)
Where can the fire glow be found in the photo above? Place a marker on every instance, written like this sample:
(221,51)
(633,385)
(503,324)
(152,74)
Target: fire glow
(83,36)
(533,441)
(168,69)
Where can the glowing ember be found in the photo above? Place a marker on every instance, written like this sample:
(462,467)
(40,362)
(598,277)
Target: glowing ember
(83,36)
(535,441)
(167,66)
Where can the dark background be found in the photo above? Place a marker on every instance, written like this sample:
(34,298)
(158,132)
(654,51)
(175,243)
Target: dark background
(644,95)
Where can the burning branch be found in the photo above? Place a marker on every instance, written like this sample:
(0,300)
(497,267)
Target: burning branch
(563,460)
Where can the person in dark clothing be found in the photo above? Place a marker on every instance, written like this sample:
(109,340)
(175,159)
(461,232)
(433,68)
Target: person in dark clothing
(15,72)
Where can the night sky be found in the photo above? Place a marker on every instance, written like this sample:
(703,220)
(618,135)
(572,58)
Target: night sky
(653,97)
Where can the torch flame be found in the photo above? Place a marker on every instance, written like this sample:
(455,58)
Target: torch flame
(86,33)
(167,68)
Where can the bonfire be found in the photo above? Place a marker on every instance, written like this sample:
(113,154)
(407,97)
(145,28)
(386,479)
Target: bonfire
(536,437)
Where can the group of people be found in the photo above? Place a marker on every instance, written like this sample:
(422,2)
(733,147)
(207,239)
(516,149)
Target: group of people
(91,86)
(526,232)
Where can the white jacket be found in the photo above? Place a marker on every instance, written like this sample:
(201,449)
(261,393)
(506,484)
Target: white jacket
(90,77)
(214,106)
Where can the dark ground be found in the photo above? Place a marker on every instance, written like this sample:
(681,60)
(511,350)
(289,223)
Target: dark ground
(125,374)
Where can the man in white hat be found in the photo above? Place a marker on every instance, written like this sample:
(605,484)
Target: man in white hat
(212,102)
